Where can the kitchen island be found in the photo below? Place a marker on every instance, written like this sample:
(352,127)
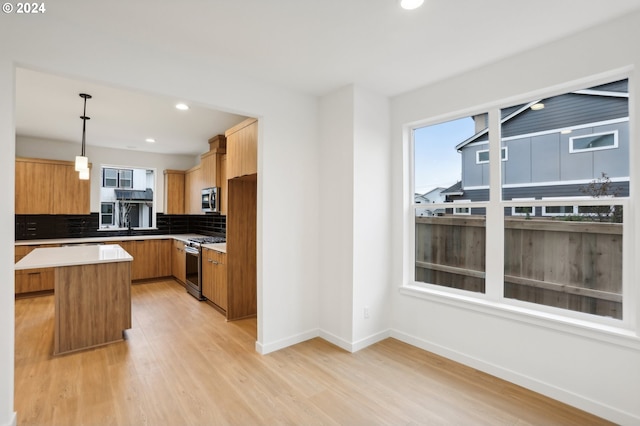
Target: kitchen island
(92,293)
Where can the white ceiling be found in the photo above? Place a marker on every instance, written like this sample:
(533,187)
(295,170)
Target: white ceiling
(311,46)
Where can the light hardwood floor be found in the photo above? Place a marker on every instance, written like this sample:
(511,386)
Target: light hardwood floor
(182,364)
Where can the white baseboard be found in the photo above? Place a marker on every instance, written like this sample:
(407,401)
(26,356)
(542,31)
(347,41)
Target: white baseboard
(265,348)
(551,391)
(354,346)
(338,341)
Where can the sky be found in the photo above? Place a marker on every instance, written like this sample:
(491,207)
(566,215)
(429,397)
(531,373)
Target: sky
(437,163)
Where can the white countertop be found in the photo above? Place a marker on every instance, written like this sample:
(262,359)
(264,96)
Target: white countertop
(181,237)
(51,257)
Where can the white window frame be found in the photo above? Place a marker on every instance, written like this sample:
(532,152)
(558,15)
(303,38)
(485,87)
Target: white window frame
(492,301)
(574,150)
(459,210)
(112,214)
(504,155)
(153,185)
(119,173)
(513,208)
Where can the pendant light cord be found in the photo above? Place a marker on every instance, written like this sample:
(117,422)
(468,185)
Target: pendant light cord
(84,120)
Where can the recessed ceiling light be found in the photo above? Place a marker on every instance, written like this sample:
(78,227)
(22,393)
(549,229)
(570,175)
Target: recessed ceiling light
(411,4)
(150,140)
(182,107)
(537,106)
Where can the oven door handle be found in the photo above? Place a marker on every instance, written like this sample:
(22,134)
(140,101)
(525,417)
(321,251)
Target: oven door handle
(192,250)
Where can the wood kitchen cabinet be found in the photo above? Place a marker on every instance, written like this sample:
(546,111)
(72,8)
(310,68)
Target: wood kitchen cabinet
(33,280)
(242,149)
(214,170)
(178,262)
(174,191)
(214,277)
(193,190)
(50,187)
(151,258)
(241,247)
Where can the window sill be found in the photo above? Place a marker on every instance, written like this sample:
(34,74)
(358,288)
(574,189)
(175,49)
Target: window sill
(606,333)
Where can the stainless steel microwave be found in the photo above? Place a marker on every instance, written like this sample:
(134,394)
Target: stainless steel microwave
(210,200)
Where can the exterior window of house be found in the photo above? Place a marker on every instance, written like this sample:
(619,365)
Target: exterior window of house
(117,178)
(449,238)
(109,178)
(551,233)
(106,214)
(461,210)
(127,198)
(555,211)
(593,142)
(482,156)
(523,210)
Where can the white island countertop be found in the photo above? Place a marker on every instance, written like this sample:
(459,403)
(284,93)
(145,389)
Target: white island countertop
(52,257)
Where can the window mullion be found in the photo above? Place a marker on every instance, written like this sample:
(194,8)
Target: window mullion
(495,213)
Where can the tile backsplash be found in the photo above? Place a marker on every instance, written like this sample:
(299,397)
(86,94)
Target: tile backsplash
(37,227)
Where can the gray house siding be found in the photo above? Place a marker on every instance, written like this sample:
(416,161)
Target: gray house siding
(566,111)
(545,154)
(540,162)
(536,193)
(474,174)
(547,158)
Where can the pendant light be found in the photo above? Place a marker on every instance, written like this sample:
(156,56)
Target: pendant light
(82,162)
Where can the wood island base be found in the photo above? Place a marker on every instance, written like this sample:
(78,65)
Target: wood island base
(92,305)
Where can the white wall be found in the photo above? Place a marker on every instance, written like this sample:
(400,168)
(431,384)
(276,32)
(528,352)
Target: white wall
(336,154)
(98,156)
(287,165)
(7,172)
(371,218)
(355,217)
(588,369)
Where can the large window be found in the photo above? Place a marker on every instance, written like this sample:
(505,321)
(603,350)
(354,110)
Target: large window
(449,244)
(557,209)
(127,198)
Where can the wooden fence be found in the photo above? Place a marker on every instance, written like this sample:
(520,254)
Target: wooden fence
(571,265)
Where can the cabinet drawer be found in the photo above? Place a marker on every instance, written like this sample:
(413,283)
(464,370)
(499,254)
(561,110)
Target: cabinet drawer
(32,280)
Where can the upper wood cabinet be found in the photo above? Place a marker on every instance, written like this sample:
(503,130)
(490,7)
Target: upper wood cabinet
(213,165)
(174,192)
(193,190)
(242,149)
(50,187)
(208,169)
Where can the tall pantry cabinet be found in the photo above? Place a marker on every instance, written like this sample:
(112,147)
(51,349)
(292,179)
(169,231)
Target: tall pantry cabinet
(242,153)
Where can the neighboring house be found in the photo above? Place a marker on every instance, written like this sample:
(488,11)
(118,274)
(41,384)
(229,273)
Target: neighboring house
(126,198)
(552,152)
(433,196)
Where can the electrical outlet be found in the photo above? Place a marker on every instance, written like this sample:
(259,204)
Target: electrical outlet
(366,312)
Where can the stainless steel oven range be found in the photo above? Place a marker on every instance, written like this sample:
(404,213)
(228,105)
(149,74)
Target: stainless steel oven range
(193,262)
